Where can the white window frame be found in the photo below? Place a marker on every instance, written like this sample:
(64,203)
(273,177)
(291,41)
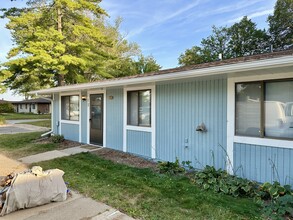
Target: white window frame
(66,120)
(152,128)
(231,137)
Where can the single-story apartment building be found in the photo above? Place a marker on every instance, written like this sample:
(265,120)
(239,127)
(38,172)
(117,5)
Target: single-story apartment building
(234,114)
(36,106)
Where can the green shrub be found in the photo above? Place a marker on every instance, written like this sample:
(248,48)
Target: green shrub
(221,182)
(171,167)
(276,200)
(268,191)
(6,108)
(57,138)
(279,208)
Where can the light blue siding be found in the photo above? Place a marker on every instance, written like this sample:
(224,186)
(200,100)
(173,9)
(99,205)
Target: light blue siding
(83,119)
(180,108)
(55,113)
(114,119)
(264,164)
(139,142)
(70,131)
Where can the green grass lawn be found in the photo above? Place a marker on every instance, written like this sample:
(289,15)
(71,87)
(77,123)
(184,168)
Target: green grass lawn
(44,123)
(20,145)
(141,193)
(16,116)
(145,194)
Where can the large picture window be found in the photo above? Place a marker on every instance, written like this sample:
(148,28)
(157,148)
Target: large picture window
(264,109)
(70,108)
(139,108)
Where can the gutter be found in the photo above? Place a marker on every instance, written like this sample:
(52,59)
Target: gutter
(208,71)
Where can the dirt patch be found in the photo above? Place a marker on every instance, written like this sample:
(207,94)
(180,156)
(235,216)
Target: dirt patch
(62,145)
(125,158)
(8,166)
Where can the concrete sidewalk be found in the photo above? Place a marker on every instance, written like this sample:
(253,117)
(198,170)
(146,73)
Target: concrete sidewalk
(20,128)
(50,155)
(76,207)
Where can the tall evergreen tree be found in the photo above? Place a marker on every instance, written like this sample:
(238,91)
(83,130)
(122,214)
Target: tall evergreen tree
(56,42)
(281,25)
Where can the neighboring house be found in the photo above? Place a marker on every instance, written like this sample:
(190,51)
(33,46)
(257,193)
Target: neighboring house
(245,104)
(36,106)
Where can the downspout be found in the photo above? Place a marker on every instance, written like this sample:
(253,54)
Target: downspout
(51,131)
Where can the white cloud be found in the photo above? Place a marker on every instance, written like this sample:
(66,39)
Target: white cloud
(161,18)
(253,15)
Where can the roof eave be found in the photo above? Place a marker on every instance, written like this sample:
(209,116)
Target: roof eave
(208,71)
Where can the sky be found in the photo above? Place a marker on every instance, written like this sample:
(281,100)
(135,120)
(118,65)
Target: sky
(165,28)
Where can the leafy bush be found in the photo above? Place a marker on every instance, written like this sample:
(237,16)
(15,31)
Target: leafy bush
(279,207)
(6,108)
(268,191)
(221,182)
(171,167)
(277,200)
(57,138)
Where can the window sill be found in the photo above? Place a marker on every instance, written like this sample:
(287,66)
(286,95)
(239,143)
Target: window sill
(138,128)
(264,142)
(69,122)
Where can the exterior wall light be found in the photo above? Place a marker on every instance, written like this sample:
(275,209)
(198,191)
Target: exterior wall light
(83,97)
(201,128)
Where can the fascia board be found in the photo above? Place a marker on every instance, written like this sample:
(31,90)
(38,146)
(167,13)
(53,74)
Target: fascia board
(208,71)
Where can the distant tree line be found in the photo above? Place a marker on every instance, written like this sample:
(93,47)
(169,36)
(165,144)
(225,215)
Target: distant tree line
(243,38)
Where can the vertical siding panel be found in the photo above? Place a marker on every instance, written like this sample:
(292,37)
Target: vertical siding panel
(114,119)
(181,107)
(139,142)
(257,165)
(70,131)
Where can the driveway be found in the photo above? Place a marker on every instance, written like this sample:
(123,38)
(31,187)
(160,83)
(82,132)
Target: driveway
(12,128)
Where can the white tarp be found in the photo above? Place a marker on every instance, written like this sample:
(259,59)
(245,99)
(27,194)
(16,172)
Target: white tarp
(29,190)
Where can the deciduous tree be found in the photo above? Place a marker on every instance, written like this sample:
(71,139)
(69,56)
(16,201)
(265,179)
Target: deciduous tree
(246,39)
(281,25)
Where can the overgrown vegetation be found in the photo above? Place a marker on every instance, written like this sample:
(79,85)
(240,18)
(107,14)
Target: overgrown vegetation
(220,181)
(6,108)
(57,138)
(146,194)
(276,200)
(170,167)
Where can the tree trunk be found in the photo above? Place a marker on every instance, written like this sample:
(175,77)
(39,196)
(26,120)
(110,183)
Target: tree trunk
(59,28)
